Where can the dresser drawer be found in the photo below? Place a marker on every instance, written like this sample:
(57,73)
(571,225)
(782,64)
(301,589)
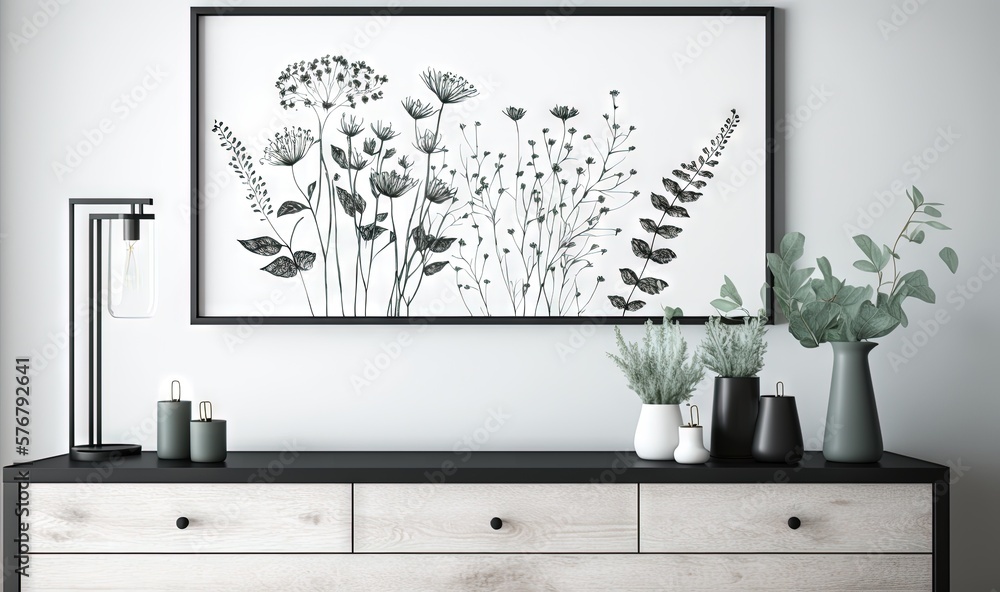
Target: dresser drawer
(728,518)
(493,573)
(457,518)
(142,518)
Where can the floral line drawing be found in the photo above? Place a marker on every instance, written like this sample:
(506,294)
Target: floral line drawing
(559,198)
(242,163)
(366,217)
(693,175)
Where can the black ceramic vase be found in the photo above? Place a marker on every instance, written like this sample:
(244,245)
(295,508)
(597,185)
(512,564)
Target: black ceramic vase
(734,414)
(778,437)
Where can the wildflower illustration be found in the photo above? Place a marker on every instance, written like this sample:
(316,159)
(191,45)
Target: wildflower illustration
(373,211)
(542,258)
(693,175)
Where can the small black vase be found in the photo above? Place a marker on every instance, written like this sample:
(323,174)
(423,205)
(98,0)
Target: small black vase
(734,414)
(778,437)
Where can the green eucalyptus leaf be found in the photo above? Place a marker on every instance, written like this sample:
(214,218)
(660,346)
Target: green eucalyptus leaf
(781,295)
(918,237)
(778,266)
(871,322)
(791,247)
(849,295)
(824,267)
(918,198)
(876,255)
(724,305)
(814,323)
(914,285)
(729,291)
(932,211)
(799,276)
(935,224)
(893,306)
(950,258)
(805,294)
(826,288)
(864,265)
(887,256)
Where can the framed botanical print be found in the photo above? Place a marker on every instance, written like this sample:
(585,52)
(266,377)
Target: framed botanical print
(478,165)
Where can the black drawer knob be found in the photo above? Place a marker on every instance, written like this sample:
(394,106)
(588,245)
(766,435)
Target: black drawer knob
(496,524)
(183,522)
(794,523)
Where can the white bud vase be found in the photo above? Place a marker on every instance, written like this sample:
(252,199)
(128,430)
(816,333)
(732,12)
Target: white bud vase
(691,447)
(656,432)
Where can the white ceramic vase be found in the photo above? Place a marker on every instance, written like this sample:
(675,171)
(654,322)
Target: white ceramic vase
(656,432)
(691,446)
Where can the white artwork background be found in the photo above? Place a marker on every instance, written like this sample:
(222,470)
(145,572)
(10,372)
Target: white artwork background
(530,62)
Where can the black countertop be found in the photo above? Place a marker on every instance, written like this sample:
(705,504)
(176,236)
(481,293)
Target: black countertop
(477,467)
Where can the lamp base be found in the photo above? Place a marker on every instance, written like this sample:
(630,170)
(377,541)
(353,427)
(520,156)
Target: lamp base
(99,452)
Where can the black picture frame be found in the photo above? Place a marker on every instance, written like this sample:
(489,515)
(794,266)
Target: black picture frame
(197,123)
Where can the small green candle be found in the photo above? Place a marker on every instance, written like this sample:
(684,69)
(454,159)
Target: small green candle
(173,426)
(208,436)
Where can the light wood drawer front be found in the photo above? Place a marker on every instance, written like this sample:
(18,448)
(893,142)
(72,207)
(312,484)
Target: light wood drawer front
(495,573)
(724,518)
(237,517)
(556,518)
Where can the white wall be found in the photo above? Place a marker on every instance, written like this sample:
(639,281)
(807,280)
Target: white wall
(861,104)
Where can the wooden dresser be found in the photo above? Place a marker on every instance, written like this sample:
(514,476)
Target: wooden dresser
(442,522)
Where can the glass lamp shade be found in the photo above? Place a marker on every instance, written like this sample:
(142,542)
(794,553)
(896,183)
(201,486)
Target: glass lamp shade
(131,268)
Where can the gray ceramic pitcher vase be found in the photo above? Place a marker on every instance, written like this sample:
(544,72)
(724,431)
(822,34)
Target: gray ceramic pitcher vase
(852,433)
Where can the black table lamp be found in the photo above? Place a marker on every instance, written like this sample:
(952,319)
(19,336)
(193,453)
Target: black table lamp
(131,293)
